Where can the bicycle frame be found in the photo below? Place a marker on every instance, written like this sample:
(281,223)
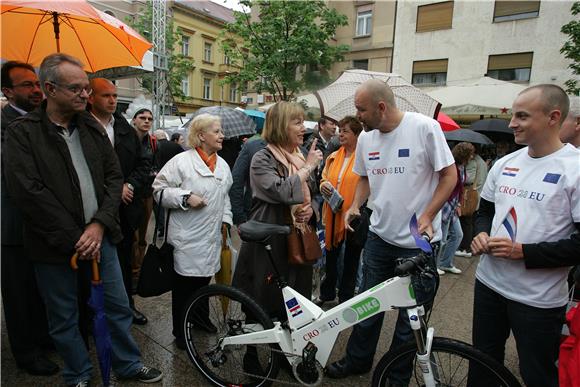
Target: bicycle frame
(309,323)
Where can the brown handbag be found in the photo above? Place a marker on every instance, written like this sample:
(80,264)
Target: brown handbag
(470,198)
(303,247)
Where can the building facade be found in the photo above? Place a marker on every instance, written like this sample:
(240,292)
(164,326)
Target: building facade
(200,24)
(369,33)
(455,42)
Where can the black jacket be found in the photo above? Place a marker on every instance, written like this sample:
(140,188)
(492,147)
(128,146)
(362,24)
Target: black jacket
(166,150)
(11,217)
(136,167)
(43,182)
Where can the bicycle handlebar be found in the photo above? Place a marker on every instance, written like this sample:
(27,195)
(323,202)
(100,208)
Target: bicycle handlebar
(410,265)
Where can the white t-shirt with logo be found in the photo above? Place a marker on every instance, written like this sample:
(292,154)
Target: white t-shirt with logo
(402,167)
(545,195)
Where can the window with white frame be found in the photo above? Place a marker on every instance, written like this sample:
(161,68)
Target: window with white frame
(233,92)
(185,45)
(364,23)
(206,88)
(227,60)
(185,86)
(207,52)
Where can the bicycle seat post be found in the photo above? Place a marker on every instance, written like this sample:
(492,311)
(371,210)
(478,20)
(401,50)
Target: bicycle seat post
(279,280)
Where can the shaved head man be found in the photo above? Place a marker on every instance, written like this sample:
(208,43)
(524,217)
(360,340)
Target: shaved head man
(402,152)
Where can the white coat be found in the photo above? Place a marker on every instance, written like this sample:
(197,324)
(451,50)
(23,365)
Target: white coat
(195,233)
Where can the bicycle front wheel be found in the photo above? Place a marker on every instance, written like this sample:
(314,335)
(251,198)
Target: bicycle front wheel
(216,312)
(450,362)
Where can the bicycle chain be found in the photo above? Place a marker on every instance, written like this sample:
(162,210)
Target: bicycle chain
(272,379)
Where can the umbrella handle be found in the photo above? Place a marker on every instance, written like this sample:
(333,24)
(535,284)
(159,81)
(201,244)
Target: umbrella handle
(94,265)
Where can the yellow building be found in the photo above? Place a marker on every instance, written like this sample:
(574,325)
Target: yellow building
(200,24)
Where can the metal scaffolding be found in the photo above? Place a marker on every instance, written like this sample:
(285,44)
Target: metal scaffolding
(159,63)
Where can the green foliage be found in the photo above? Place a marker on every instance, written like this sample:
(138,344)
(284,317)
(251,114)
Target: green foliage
(571,48)
(178,65)
(289,37)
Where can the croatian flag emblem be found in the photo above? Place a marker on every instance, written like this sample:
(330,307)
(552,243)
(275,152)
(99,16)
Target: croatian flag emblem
(294,307)
(511,223)
(374,155)
(552,178)
(404,152)
(512,172)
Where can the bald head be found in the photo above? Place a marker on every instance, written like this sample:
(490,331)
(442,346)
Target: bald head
(103,99)
(378,91)
(552,97)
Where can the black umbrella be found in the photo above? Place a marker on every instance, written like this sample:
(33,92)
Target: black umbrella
(235,123)
(492,125)
(467,135)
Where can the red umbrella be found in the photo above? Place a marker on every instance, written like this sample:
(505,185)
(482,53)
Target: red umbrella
(447,124)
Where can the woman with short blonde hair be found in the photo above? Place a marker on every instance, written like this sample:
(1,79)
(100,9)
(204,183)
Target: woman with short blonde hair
(198,125)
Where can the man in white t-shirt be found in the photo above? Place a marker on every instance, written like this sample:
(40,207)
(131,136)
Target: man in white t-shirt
(527,230)
(406,164)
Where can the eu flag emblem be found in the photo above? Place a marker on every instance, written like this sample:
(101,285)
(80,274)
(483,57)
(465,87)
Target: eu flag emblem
(404,152)
(552,178)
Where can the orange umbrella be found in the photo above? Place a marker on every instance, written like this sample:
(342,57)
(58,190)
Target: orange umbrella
(31,30)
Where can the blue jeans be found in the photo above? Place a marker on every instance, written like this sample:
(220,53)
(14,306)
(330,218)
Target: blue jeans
(379,261)
(536,331)
(450,241)
(58,287)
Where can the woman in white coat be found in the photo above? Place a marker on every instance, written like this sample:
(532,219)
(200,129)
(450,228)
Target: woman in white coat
(195,186)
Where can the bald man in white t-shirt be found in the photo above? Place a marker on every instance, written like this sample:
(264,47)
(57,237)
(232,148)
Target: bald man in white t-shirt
(527,232)
(404,161)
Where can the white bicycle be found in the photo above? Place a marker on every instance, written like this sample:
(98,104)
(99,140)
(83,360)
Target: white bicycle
(232,341)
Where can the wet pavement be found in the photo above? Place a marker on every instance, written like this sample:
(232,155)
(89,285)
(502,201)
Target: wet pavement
(451,318)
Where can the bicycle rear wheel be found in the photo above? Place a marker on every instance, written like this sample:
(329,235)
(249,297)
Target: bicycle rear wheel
(215,312)
(450,362)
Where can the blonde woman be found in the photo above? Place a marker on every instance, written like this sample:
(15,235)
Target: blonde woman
(279,177)
(195,186)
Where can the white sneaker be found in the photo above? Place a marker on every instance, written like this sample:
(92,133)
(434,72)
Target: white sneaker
(440,272)
(451,269)
(463,253)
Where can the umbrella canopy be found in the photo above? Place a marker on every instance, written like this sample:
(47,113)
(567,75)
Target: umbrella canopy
(485,96)
(258,117)
(467,135)
(492,125)
(337,100)
(235,123)
(31,30)
(446,122)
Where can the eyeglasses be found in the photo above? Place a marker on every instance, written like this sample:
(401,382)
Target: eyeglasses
(75,89)
(27,85)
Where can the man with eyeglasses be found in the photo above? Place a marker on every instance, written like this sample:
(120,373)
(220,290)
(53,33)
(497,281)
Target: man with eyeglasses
(65,177)
(23,308)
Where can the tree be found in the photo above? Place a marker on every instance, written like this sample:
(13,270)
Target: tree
(571,48)
(290,36)
(178,65)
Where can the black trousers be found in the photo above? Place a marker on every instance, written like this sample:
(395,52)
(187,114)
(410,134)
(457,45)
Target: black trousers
(24,311)
(183,289)
(536,331)
(467,228)
(347,281)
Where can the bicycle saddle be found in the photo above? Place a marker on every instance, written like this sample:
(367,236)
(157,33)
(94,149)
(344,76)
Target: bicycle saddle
(253,231)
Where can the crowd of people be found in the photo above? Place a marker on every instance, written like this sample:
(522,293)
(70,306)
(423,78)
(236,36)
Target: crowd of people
(79,179)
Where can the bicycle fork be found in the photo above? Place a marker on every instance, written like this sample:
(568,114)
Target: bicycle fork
(424,339)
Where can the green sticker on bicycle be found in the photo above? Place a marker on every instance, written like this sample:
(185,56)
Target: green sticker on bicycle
(361,310)
(411,291)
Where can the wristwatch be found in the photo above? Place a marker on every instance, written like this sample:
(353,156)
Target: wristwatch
(184,200)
